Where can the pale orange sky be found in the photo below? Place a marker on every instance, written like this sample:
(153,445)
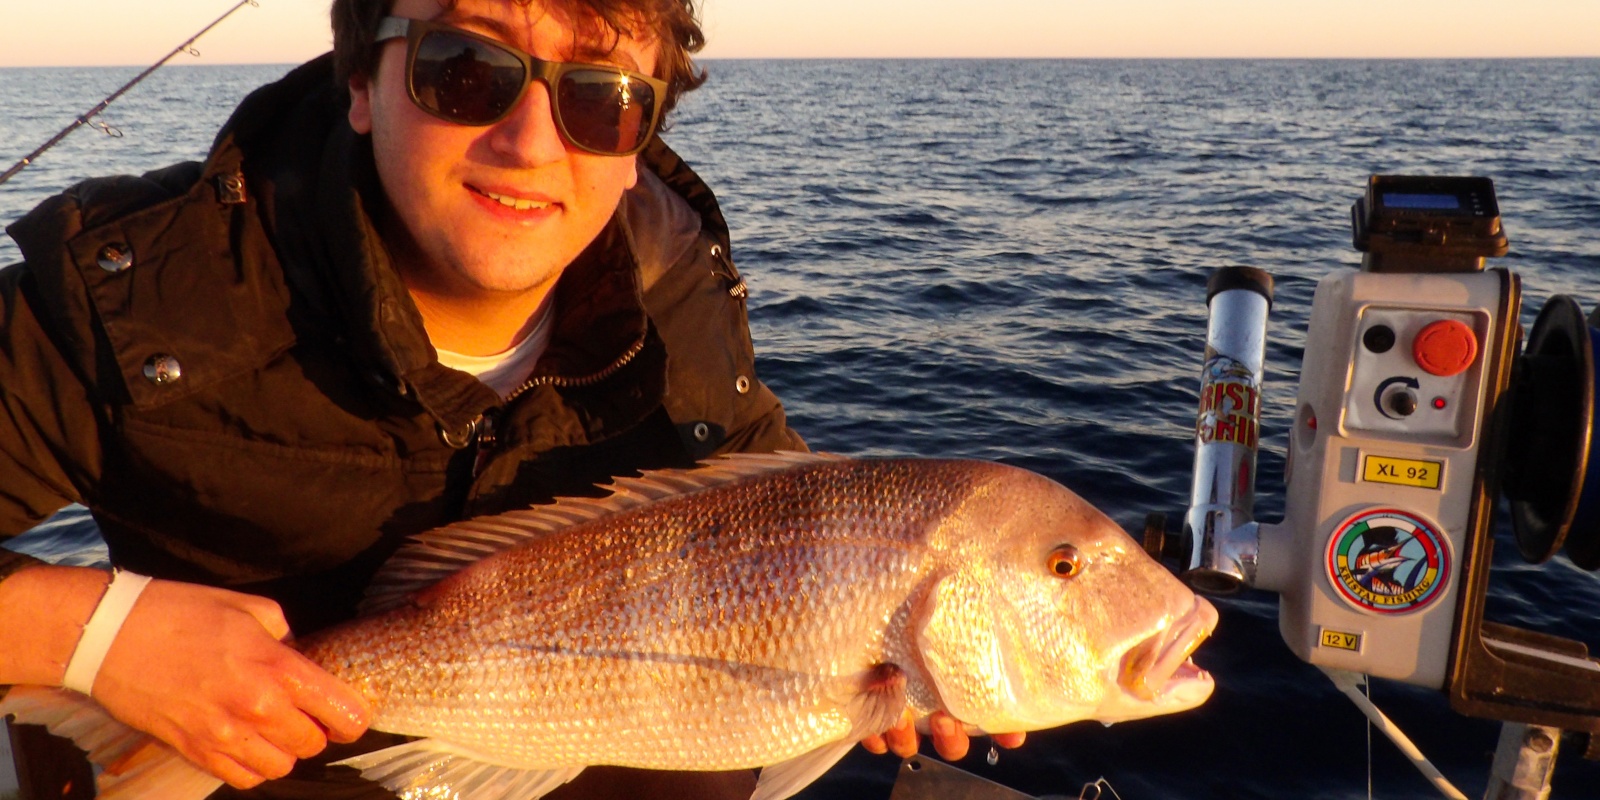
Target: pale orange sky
(94,32)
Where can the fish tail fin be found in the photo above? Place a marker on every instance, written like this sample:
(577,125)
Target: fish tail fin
(133,765)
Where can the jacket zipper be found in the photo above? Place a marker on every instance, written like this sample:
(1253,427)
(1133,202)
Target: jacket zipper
(484,424)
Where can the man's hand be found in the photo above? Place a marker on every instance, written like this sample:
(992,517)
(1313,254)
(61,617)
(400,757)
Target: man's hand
(205,670)
(949,735)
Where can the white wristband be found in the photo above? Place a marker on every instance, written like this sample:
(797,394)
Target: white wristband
(101,630)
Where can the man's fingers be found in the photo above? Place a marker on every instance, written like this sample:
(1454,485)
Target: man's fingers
(265,758)
(268,613)
(328,700)
(230,771)
(902,738)
(206,671)
(298,735)
(949,738)
(893,738)
(237,753)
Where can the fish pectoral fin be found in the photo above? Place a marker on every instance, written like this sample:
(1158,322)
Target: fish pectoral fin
(878,701)
(133,764)
(872,701)
(429,765)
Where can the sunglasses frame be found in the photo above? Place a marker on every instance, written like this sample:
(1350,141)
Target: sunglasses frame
(547,72)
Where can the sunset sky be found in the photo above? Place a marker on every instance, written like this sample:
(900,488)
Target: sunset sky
(98,32)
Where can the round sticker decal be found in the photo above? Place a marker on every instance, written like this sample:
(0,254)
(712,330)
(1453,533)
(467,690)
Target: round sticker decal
(1388,561)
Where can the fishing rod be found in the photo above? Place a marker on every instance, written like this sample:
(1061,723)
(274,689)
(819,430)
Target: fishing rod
(186,47)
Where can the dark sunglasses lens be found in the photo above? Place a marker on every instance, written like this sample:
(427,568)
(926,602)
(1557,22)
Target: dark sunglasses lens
(465,80)
(605,111)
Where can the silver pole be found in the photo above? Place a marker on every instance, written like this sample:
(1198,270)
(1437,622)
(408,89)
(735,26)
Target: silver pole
(1219,530)
(1523,761)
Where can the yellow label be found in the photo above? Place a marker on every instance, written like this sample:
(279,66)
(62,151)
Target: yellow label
(1341,640)
(1402,471)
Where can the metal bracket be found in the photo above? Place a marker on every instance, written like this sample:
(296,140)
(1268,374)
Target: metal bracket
(924,778)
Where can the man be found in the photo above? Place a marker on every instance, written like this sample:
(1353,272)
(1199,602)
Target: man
(448,271)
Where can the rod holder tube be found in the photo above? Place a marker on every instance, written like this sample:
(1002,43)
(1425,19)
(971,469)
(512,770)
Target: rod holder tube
(1219,531)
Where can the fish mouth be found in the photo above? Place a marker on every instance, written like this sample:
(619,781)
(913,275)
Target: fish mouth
(1158,670)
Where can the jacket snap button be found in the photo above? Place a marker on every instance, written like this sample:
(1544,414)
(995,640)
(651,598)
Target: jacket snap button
(459,441)
(742,385)
(115,257)
(162,369)
(701,431)
(230,189)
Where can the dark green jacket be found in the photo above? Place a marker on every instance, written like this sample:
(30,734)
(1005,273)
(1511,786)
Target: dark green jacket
(219,361)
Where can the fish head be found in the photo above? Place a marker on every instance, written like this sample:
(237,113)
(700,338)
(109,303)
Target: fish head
(1048,613)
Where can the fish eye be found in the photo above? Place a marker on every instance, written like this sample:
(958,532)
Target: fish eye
(1066,561)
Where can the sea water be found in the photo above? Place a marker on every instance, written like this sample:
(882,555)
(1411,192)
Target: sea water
(1007,260)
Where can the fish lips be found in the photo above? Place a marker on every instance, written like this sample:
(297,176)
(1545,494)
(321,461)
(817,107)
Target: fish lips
(1157,676)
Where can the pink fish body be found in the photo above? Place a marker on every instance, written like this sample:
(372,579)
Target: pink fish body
(762,611)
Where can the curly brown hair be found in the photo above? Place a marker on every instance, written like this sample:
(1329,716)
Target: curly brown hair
(671,22)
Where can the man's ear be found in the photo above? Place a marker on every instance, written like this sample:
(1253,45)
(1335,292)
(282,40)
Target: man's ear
(633,174)
(361,104)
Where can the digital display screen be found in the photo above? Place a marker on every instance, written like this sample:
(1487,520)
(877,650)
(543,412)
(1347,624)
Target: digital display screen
(1431,202)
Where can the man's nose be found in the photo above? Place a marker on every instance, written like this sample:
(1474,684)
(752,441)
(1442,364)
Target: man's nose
(528,136)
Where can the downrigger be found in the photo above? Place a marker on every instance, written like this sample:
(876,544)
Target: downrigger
(1419,406)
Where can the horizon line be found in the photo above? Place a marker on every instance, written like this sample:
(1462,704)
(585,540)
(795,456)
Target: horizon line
(704,59)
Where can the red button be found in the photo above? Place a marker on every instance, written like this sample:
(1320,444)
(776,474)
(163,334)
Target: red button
(1445,348)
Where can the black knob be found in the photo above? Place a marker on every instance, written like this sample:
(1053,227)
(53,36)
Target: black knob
(1403,403)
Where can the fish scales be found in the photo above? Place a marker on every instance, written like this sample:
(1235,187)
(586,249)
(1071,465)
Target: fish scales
(760,611)
(630,638)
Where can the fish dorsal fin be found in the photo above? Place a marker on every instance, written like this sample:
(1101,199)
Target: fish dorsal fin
(429,557)
(430,768)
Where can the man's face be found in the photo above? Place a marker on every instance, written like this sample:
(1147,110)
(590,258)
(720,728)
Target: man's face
(503,208)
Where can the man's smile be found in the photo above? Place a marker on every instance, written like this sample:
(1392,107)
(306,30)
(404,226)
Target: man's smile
(512,201)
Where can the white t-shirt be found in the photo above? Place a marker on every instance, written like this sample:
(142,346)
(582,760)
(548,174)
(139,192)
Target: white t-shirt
(504,372)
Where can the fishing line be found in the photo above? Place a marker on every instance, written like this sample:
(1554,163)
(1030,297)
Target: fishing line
(186,47)
(1350,684)
(1367,687)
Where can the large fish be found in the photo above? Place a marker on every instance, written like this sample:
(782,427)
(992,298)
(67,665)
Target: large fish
(762,611)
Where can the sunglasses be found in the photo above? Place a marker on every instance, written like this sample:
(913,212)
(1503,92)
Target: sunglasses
(468,79)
